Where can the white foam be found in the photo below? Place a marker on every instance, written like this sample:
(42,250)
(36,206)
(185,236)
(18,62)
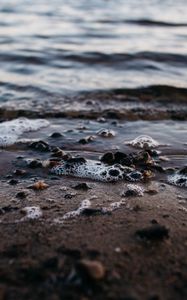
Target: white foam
(93,170)
(143,142)
(178,179)
(136,190)
(10,131)
(107,133)
(75,213)
(32,212)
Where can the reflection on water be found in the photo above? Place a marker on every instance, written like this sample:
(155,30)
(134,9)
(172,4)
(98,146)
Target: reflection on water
(62,46)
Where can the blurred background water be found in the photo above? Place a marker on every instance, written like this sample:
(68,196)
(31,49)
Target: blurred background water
(62,46)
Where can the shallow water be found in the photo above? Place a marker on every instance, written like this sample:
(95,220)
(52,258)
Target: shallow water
(97,60)
(51,48)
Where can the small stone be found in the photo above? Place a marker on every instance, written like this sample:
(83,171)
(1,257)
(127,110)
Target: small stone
(153,233)
(39,185)
(21,195)
(35,164)
(107,133)
(108,158)
(183,171)
(40,146)
(19,172)
(86,140)
(82,186)
(58,153)
(91,211)
(92,269)
(151,192)
(13,181)
(56,135)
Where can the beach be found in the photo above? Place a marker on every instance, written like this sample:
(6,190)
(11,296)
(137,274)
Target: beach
(93,150)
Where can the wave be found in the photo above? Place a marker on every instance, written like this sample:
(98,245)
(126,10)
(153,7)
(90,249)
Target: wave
(144,22)
(115,60)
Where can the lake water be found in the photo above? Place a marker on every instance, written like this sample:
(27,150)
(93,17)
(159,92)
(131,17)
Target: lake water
(59,47)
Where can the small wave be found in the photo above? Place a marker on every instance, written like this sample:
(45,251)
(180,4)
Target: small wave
(147,22)
(145,59)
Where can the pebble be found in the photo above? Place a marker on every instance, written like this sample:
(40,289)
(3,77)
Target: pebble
(39,185)
(21,195)
(19,172)
(91,268)
(153,233)
(56,135)
(107,133)
(82,186)
(40,146)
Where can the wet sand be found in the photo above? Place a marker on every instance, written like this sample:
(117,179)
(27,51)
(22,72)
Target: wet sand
(136,250)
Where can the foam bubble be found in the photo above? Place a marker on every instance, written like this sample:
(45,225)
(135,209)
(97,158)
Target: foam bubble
(107,133)
(178,178)
(95,170)
(133,190)
(10,131)
(32,212)
(75,213)
(143,142)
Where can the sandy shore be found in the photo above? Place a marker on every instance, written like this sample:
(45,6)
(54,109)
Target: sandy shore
(135,251)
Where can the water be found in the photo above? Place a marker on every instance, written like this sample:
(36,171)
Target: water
(98,60)
(59,47)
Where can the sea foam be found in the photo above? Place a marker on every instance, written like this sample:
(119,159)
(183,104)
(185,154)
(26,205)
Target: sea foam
(143,142)
(10,131)
(96,170)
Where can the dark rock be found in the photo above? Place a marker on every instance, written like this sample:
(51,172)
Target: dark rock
(35,164)
(13,181)
(86,140)
(56,135)
(183,171)
(153,233)
(82,186)
(153,221)
(119,157)
(91,211)
(108,158)
(19,172)
(91,269)
(77,160)
(21,195)
(151,192)
(7,209)
(68,196)
(40,146)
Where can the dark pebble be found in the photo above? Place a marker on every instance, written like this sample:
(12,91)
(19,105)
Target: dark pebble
(56,135)
(183,171)
(19,172)
(40,146)
(35,164)
(119,157)
(21,195)
(153,233)
(91,211)
(108,158)
(82,186)
(13,181)
(153,221)
(77,160)
(7,209)
(90,269)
